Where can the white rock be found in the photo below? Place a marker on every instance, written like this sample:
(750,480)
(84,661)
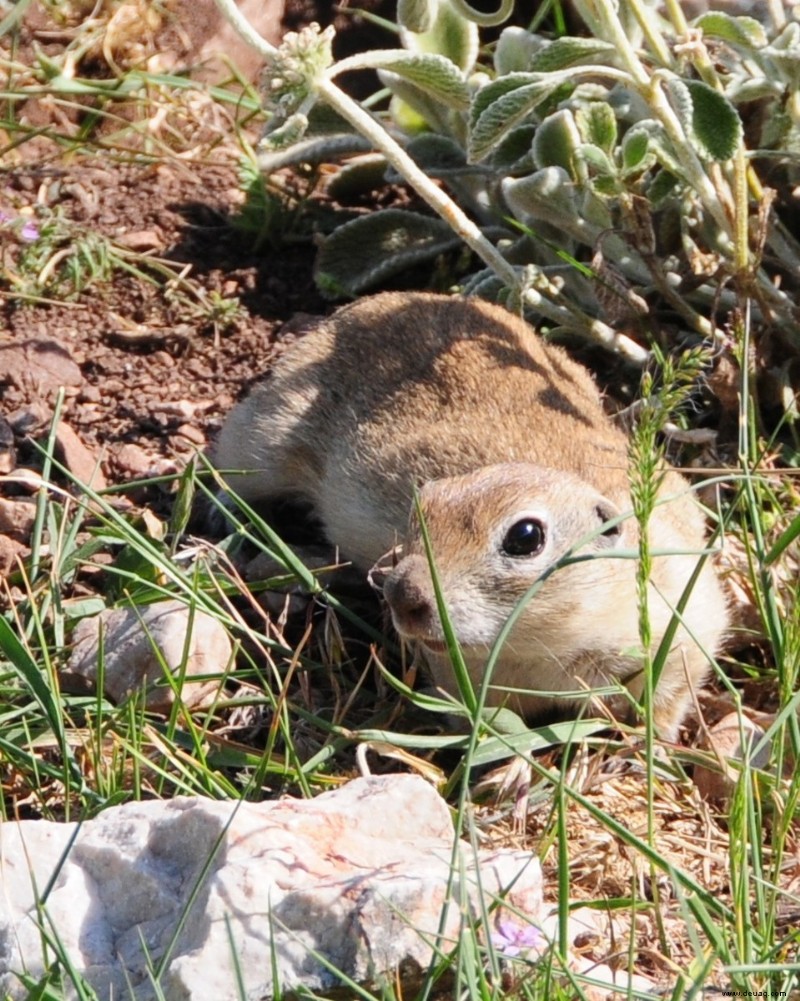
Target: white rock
(131,641)
(617,985)
(354,879)
(595,933)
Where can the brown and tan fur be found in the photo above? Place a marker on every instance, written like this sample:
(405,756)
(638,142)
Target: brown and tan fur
(461,399)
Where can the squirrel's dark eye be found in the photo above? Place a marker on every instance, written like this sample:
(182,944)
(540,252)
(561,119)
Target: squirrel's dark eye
(524,538)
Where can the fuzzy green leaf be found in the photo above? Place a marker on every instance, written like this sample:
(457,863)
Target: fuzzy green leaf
(354,179)
(787,44)
(312,151)
(742,91)
(367,250)
(745,32)
(597,125)
(597,158)
(549,191)
(493,91)
(412,109)
(715,121)
(513,154)
(505,114)
(663,186)
(438,156)
(784,52)
(514,50)
(451,36)
(568,51)
(658,143)
(682,102)
(635,147)
(416,15)
(286,135)
(436,153)
(433,74)
(556,141)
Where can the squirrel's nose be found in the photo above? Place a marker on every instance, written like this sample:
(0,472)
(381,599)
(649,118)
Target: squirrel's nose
(409,593)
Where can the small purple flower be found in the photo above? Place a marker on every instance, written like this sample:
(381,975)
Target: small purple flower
(512,939)
(29,232)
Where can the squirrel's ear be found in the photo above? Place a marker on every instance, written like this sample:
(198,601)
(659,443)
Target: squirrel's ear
(611,523)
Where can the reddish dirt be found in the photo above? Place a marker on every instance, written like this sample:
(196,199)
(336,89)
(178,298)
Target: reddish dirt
(148,368)
(138,354)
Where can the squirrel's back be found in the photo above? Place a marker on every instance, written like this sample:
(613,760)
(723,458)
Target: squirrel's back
(401,388)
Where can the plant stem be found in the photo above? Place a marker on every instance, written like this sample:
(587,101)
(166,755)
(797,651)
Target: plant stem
(439,201)
(741,213)
(242,26)
(654,39)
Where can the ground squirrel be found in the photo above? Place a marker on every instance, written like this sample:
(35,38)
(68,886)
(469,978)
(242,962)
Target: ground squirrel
(516,462)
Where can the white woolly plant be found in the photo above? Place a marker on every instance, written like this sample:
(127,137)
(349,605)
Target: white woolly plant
(598,178)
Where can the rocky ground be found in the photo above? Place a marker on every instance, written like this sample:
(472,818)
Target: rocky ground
(175,306)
